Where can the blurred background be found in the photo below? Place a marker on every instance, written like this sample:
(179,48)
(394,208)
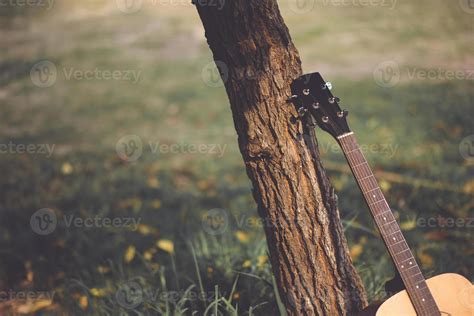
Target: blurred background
(122,187)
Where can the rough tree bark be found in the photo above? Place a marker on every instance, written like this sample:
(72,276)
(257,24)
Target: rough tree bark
(308,251)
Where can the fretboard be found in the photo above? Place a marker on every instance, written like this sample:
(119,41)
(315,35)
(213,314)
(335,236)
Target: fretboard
(388,227)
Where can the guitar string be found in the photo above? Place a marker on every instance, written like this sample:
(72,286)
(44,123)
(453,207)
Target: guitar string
(375,211)
(394,225)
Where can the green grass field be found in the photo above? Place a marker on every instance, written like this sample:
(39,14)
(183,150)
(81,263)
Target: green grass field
(403,69)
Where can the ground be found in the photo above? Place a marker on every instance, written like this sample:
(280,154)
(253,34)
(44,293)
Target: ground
(134,128)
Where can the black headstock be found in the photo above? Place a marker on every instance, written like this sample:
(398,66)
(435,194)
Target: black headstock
(312,94)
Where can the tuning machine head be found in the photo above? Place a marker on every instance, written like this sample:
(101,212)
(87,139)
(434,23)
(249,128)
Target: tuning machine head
(313,94)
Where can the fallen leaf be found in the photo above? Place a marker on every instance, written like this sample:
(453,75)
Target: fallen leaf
(242,236)
(166,245)
(129,254)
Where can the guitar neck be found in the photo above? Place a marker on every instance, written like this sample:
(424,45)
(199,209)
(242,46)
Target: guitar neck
(388,227)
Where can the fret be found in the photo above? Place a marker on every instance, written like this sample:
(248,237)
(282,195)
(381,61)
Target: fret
(362,169)
(373,195)
(357,158)
(419,280)
(384,202)
(384,217)
(401,256)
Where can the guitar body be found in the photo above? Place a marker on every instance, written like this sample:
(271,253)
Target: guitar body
(453,294)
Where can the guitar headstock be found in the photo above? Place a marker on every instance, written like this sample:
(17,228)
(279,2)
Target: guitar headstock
(312,94)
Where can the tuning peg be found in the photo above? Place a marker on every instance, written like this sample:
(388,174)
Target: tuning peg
(302,111)
(327,85)
(342,113)
(335,99)
(292,98)
(325,119)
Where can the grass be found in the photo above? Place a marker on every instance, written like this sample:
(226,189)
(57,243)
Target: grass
(173,262)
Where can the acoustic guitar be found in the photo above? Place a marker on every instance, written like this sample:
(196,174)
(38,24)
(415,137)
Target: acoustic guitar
(445,294)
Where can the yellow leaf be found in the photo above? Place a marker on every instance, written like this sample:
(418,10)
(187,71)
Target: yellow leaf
(261,260)
(134,203)
(103,269)
(242,236)
(156,204)
(31,307)
(66,168)
(468,187)
(409,224)
(29,276)
(129,254)
(247,264)
(97,292)
(166,245)
(356,251)
(153,182)
(425,259)
(148,255)
(145,229)
(83,302)
(385,185)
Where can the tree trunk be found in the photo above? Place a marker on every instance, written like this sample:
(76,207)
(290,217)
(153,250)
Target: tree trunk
(308,251)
